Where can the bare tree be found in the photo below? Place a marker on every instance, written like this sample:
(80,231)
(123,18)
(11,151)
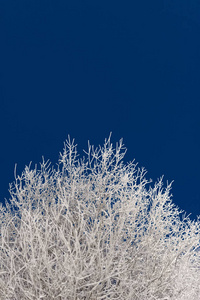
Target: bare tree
(95,229)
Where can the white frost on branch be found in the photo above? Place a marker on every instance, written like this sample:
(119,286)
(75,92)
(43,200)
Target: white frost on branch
(95,229)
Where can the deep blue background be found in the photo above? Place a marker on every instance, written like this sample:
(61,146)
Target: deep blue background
(87,68)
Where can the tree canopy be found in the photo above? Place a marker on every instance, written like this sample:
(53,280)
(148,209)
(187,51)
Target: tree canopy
(95,228)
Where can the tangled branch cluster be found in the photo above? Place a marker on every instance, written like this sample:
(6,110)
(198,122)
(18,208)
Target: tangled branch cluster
(95,229)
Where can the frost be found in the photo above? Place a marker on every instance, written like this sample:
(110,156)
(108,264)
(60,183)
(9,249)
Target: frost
(94,228)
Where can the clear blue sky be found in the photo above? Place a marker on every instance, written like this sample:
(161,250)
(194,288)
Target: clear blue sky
(87,68)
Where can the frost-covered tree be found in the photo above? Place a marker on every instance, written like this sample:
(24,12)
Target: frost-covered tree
(95,228)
